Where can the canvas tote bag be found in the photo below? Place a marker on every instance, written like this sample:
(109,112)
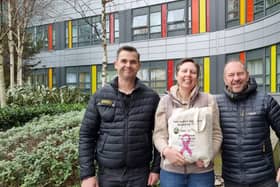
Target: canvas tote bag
(190,132)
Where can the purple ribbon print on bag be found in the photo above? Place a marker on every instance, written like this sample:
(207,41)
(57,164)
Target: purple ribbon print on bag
(186,139)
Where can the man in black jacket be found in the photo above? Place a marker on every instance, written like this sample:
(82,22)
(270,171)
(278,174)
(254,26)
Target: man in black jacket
(116,131)
(246,116)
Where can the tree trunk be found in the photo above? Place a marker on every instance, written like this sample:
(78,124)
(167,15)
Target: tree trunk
(19,56)
(19,67)
(104,44)
(11,46)
(2,81)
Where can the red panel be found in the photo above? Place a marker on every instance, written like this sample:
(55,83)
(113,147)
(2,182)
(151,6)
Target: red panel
(112,28)
(242,57)
(207,15)
(170,73)
(163,20)
(50,37)
(250,11)
(195,16)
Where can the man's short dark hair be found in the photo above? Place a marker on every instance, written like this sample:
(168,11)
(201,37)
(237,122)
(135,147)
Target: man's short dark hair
(185,60)
(128,48)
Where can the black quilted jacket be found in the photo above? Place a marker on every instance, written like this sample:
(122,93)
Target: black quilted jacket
(246,119)
(117,130)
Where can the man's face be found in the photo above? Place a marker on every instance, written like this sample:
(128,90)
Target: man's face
(127,65)
(235,77)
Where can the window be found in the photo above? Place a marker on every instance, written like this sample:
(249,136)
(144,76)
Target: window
(84,31)
(111,74)
(256,66)
(258,9)
(153,74)
(158,78)
(84,81)
(31,34)
(272,6)
(54,81)
(53,38)
(42,36)
(117,28)
(189,17)
(39,77)
(140,24)
(146,23)
(155,22)
(71,79)
(75,33)
(232,13)
(176,18)
(79,77)
(96,30)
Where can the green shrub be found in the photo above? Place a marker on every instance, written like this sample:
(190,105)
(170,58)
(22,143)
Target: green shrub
(38,95)
(44,152)
(17,116)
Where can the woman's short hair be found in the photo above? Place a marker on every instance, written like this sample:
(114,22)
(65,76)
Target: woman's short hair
(185,60)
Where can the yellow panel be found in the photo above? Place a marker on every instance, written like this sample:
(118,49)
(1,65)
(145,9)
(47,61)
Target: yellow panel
(70,34)
(273,69)
(242,12)
(206,70)
(202,15)
(93,79)
(50,77)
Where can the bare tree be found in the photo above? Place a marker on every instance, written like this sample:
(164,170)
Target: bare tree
(24,10)
(82,7)
(104,42)
(11,43)
(3,33)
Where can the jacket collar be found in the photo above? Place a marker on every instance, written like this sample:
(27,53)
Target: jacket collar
(173,94)
(251,87)
(138,83)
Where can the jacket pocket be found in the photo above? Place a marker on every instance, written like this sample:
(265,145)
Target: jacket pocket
(101,143)
(107,112)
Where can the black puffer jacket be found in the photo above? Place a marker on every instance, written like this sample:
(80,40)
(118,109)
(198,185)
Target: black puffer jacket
(117,130)
(246,119)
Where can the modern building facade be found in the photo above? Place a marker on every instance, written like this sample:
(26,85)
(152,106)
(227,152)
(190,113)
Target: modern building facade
(164,31)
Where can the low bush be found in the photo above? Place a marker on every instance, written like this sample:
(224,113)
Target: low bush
(38,95)
(44,152)
(17,116)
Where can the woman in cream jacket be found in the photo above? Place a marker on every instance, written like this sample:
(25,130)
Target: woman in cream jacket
(176,170)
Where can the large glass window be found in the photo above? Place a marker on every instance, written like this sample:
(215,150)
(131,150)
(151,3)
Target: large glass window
(140,24)
(39,77)
(96,29)
(117,28)
(146,23)
(84,81)
(272,6)
(232,12)
(111,74)
(176,17)
(189,17)
(42,36)
(155,22)
(84,31)
(258,9)
(256,66)
(75,33)
(153,74)
(79,77)
(54,81)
